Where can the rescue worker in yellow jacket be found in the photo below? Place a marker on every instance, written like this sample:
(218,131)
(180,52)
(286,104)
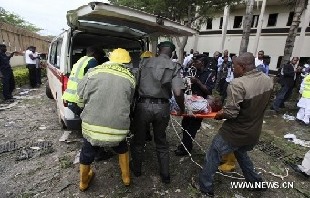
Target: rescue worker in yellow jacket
(107,88)
(93,56)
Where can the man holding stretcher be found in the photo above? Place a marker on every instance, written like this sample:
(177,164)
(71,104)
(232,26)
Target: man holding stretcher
(247,98)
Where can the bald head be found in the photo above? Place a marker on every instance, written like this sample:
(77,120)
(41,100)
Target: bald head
(246,60)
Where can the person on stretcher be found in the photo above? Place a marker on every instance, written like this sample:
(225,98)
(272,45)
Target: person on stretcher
(197,105)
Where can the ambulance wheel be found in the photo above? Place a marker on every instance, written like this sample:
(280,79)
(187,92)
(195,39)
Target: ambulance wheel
(48,91)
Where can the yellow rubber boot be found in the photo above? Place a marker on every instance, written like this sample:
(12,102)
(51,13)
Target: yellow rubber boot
(124,165)
(86,175)
(229,163)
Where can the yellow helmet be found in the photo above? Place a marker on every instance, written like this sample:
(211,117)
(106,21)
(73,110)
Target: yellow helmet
(120,55)
(146,54)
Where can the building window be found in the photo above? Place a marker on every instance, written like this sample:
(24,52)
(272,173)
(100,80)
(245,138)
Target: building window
(238,22)
(272,20)
(221,23)
(290,19)
(255,21)
(209,23)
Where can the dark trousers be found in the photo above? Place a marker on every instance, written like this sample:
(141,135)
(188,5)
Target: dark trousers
(218,148)
(38,76)
(32,75)
(89,151)
(191,125)
(283,95)
(223,90)
(159,115)
(8,83)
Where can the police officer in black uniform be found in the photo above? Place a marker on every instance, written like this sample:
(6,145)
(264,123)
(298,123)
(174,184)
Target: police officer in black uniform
(158,76)
(202,85)
(7,78)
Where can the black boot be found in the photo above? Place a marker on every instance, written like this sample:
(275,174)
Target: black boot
(163,160)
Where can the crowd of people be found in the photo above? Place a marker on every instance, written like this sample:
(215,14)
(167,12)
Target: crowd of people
(32,60)
(141,99)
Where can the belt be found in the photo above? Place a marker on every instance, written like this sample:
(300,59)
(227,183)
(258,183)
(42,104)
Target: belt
(153,100)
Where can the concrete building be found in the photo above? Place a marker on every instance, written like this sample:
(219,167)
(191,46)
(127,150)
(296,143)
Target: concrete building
(224,31)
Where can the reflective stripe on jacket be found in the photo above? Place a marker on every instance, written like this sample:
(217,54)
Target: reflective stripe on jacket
(107,91)
(77,73)
(306,91)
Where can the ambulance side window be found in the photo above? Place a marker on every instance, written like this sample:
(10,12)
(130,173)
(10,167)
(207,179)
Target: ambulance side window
(52,57)
(58,53)
(55,53)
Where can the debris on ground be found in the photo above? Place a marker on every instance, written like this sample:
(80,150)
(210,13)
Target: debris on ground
(64,136)
(9,123)
(42,127)
(37,149)
(7,106)
(77,157)
(305,166)
(8,146)
(295,140)
(288,117)
(206,126)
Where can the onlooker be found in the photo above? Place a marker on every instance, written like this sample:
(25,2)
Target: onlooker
(38,69)
(224,77)
(213,63)
(7,77)
(31,65)
(174,57)
(188,58)
(265,66)
(287,79)
(260,57)
(221,59)
(247,99)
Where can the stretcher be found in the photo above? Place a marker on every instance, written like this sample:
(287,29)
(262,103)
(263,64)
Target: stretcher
(207,115)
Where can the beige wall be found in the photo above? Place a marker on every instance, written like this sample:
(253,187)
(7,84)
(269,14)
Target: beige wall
(273,44)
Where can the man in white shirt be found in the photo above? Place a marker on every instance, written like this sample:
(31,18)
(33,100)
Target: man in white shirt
(221,59)
(188,58)
(30,59)
(260,58)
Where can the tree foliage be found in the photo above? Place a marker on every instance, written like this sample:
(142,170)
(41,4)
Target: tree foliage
(179,10)
(16,20)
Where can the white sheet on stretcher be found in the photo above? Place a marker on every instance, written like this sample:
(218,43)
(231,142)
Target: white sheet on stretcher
(193,103)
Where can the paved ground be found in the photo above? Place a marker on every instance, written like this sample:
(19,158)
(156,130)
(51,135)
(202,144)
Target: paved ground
(38,165)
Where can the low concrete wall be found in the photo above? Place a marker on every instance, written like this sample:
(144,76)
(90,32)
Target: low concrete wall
(17,60)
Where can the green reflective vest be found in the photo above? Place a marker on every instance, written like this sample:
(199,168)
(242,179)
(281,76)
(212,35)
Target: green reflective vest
(77,73)
(306,91)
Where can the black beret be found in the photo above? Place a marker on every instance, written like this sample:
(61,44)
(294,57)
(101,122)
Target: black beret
(166,44)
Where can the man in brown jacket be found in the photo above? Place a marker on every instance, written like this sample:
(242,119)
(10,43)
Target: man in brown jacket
(247,98)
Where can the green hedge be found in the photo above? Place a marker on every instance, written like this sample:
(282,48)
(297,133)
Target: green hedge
(21,75)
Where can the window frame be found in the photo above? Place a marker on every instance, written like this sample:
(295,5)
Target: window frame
(276,20)
(240,25)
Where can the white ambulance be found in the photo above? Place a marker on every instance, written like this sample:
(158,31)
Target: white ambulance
(109,27)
